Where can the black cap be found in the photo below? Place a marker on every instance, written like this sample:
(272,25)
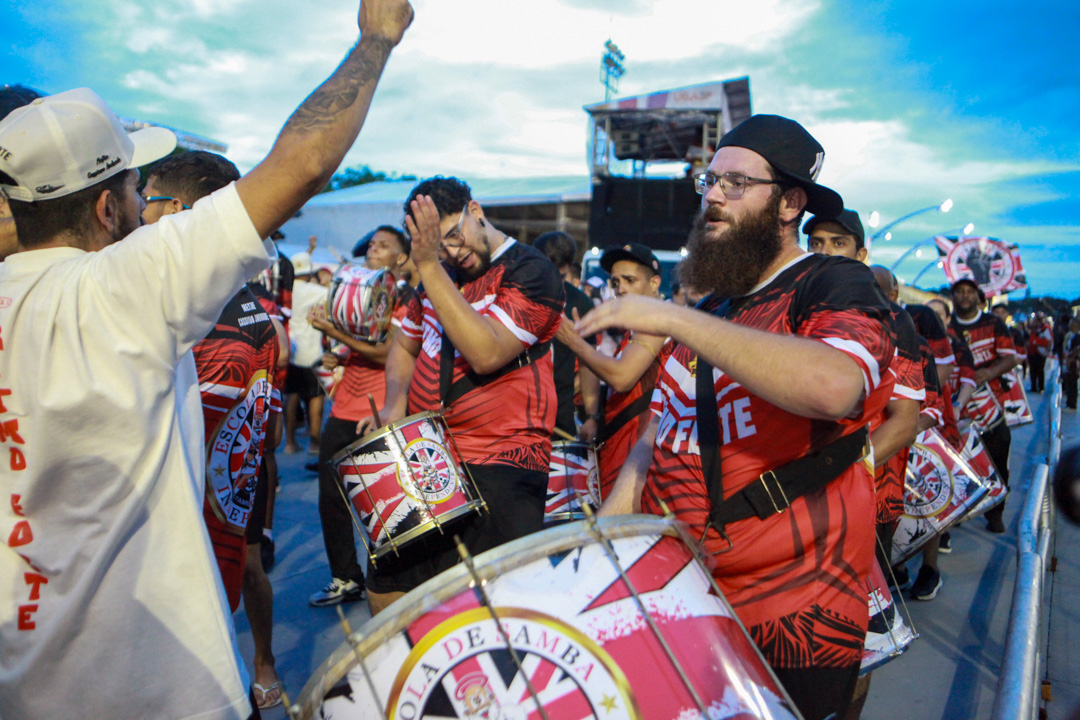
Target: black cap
(635,252)
(793,153)
(848,219)
(972,283)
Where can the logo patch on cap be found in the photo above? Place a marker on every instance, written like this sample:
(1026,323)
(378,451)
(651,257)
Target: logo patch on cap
(46,189)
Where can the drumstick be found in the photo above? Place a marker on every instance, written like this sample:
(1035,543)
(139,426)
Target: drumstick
(374,410)
(565,435)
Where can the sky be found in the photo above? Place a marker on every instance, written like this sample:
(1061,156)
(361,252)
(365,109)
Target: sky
(914,101)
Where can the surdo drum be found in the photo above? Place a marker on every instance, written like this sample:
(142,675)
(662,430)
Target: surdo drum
(404,481)
(361,302)
(572,480)
(615,619)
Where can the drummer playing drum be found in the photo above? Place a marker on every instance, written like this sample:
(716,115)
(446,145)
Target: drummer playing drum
(476,342)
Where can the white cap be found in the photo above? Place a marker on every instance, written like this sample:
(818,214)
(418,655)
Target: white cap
(301,262)
(63,143)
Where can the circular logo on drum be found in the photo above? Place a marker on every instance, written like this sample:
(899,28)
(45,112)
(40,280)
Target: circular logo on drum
(428,474)
(234,452)
(464,668)
(933,486)
(593,485)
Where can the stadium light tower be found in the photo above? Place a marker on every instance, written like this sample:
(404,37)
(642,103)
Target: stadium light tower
(611,68)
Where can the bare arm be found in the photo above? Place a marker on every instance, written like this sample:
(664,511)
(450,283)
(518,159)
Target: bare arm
(800,375)
(897,432)
(484,342)
(622,372)
(625,495)
(283,343)
(964,394)
(400,363)
(944,372)
(590,397)
(999,367)
(314,141)
(376,352)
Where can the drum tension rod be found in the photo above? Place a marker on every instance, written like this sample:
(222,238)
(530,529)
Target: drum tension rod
(698,553)
(478,584)
(911,623)
(594,529)
(348,507)
(354,643)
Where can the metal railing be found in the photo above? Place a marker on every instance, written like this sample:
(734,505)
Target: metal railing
(1019,685)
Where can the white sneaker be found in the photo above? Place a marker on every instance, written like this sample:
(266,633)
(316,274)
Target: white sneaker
(337,591)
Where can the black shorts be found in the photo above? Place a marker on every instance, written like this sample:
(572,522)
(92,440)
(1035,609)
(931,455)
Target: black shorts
(820,693)
(515,498)
(302,381)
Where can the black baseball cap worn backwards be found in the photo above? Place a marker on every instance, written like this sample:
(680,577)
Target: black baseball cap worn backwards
(635,252)
(793,152)
(848,219)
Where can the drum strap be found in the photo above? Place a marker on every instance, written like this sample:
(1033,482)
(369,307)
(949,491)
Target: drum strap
(775,490)
(451,392)
(627,414)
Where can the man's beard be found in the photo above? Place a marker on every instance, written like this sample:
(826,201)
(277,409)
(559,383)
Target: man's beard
(125,224)
(483,260)
(731,264)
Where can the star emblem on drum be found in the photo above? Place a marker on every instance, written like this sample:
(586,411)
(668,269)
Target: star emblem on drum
(608,703)
(219,470)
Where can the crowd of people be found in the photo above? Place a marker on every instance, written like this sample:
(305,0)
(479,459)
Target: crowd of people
(155,352)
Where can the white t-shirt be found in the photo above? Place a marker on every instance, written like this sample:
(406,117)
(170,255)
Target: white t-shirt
(306,341)
(111,605)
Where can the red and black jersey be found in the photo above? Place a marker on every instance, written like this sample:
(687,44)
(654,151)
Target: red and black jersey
(362,376)
(907,368)
(617,446)
(235,363)
(933,405)
(988,339)
(274,311)
(509,420)
(930,327)
(795,579)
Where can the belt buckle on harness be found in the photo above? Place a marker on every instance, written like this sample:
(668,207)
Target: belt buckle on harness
(779,510)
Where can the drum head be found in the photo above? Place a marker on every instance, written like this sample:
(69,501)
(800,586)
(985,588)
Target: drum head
(571,638)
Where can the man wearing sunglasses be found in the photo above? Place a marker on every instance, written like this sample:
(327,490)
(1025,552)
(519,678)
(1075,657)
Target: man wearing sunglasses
(477,343)
(759,439)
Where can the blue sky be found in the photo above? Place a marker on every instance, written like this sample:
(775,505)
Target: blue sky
(914,101)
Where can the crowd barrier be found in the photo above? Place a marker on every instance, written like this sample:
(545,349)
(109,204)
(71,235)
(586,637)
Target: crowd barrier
(1018,691)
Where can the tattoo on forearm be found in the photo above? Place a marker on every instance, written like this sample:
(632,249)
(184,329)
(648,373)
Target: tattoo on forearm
(362,66)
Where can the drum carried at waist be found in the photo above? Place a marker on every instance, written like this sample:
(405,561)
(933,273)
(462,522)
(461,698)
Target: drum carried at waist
(404,481)
(361,302)
(573,479)
(614,620)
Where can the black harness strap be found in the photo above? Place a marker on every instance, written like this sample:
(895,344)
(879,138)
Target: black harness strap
(627,414)
(451,392)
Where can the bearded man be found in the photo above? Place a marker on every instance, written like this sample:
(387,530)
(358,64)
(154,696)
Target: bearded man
(784,377)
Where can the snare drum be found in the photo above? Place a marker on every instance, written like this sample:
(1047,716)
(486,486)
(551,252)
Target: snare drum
(404,482)
(887,635)
(939,490)
(361,302)
(571,638)
(573,479)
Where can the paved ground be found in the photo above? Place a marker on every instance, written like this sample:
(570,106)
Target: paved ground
(950,672)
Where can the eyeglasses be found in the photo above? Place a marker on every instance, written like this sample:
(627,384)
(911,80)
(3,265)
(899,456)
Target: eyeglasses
(733,185)
(455,238)
(164,198)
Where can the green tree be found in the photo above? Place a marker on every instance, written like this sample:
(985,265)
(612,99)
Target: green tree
(360,175)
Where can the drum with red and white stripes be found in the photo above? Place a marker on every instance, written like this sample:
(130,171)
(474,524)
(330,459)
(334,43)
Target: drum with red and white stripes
(404,481)
(613,621)
(572,480)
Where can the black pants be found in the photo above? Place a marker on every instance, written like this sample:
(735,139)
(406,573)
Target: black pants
(820,693)
(515,498)
(998,440)
(1069,383)
(1038,375)
(337,523)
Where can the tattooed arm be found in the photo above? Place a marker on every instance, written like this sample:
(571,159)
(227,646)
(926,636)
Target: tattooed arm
(314,141)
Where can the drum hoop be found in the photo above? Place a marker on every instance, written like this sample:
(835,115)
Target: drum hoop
(413,533)
(386,430)
(489,565)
